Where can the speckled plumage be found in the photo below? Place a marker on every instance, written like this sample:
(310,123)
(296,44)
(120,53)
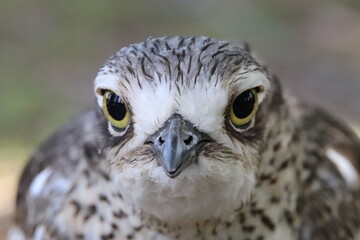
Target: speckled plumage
(291,174)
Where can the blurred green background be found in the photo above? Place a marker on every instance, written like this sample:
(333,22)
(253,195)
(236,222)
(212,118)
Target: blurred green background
(50,52)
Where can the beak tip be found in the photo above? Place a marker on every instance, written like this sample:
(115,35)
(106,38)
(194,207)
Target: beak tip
(171,171)
(171,174)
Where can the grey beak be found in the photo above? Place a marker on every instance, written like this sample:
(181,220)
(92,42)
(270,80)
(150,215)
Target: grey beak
(177,144)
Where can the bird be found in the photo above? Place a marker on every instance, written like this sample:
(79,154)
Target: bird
(192,138)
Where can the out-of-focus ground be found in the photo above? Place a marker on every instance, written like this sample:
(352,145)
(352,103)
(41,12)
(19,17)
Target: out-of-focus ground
(50,53)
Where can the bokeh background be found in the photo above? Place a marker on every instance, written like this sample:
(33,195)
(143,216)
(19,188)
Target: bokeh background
(50,52)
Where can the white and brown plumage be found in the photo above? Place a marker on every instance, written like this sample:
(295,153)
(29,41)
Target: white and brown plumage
(192,139)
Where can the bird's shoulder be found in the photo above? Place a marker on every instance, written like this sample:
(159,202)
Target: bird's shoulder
(328,200)
(65,191)
(327,133)
(58,157)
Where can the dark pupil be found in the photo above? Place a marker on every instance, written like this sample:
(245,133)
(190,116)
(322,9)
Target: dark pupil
(244,104)
(115,107)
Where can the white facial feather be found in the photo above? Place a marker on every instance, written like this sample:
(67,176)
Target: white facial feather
(209,189)
(109,82)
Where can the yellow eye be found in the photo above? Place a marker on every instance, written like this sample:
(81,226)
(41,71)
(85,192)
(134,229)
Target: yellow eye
(115,111)
(243,108)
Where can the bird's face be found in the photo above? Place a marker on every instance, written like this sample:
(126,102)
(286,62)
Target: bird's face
(184,122)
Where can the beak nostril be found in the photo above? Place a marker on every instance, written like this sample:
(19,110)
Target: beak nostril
(188,140)
(161,141)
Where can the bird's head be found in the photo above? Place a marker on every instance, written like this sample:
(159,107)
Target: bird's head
(185,118)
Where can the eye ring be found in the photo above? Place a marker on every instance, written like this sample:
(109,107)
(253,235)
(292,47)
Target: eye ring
(116,111)
(243,108)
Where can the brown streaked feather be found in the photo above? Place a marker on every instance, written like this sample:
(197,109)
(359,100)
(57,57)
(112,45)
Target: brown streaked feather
(73,136)
(332,211)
